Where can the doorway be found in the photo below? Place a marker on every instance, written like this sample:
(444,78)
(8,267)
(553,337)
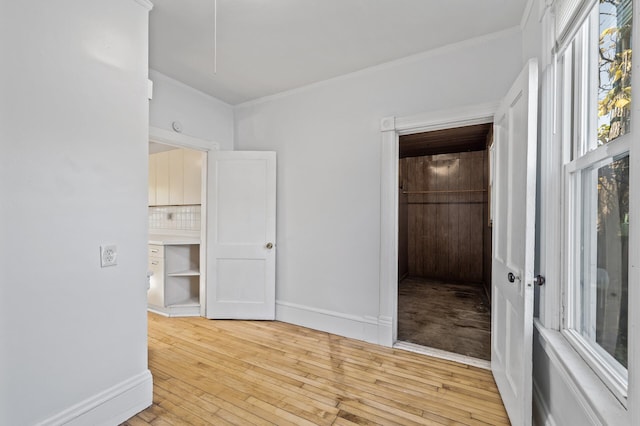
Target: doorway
(444,240)
(177,223)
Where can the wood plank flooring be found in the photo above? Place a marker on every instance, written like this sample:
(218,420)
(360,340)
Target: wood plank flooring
(448,316)
(266,372)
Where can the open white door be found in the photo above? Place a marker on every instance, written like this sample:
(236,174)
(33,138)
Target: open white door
(515,130)
(241,235)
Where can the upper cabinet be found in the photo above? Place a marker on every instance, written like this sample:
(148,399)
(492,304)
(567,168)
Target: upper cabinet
(192,161)
(153,167)
(162,178)
(175,177)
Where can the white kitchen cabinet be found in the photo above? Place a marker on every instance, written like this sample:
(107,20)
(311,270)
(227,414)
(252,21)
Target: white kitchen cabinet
(162,178)
(175,178)
(175,283)
(152,180)
(192,176)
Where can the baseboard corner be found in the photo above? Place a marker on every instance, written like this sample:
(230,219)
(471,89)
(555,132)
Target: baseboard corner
(111,406)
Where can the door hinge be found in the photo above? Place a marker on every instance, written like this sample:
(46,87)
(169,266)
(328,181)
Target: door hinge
(539,280)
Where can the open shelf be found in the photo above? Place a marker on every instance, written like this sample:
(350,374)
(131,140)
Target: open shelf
(187,273)
(175,283)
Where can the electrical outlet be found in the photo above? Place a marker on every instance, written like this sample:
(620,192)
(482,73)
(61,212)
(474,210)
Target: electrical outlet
(108,255)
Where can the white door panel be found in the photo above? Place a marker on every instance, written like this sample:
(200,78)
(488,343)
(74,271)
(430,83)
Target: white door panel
(515,129)
(242,220)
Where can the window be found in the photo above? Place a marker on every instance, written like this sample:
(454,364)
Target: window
(595,92)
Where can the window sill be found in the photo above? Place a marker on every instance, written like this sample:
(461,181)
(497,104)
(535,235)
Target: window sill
(592,394)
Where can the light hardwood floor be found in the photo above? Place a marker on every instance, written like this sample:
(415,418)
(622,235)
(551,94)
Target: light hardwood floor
(262,372)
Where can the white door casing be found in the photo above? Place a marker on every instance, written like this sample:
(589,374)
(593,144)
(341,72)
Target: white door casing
(205,147)
(391,129)
(515,133)
(241,231)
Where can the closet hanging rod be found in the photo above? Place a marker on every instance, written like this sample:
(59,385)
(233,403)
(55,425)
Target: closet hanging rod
(452,191)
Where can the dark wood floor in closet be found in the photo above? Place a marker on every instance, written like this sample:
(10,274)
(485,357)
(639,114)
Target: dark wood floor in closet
(451,317)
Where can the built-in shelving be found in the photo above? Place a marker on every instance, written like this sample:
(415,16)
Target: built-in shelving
(175,283)
(187,273)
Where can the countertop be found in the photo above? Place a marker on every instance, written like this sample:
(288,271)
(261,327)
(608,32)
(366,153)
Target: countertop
(166,240)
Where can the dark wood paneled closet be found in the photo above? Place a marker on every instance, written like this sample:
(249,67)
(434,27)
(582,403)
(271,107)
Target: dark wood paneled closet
(444,200)
(444,257)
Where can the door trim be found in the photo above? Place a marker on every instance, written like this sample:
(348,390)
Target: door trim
(167,137)
(392,128)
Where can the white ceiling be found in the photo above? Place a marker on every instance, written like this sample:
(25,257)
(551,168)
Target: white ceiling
(269,46)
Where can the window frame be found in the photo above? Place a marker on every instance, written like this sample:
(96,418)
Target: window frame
(575,101)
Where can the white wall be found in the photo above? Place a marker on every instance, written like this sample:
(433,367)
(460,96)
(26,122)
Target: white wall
(327,138)
(202,116)
(73,132)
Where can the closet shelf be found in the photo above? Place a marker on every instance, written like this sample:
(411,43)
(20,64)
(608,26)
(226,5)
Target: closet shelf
(452,191)
(186,273)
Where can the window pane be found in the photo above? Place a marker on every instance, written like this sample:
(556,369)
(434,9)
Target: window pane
(601,314)
(614,63)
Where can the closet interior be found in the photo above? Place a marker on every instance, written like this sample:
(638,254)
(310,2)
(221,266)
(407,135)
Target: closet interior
(444,259)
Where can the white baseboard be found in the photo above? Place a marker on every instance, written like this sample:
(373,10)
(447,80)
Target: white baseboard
(110,407)
(385,331)
(191,310)
(353,326)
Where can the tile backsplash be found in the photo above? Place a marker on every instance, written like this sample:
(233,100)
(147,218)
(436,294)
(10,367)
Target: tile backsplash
(183,218)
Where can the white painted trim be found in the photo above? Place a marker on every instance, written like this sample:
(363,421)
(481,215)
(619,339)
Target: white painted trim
(388,291)
(541,413)
(177,310)
(145,3)
(438,353)
(157,311)
(391,129)
(385,330)
(543,7)
(391,64)
(550,202)
(595,399)
(167,137)
(387,123)
(111,406)
(446,119)
(352,326)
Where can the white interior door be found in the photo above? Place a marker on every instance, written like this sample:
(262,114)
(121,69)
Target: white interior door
(241,235)
(515,130)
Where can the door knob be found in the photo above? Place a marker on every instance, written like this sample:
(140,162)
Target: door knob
(269,246)
(511,277)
